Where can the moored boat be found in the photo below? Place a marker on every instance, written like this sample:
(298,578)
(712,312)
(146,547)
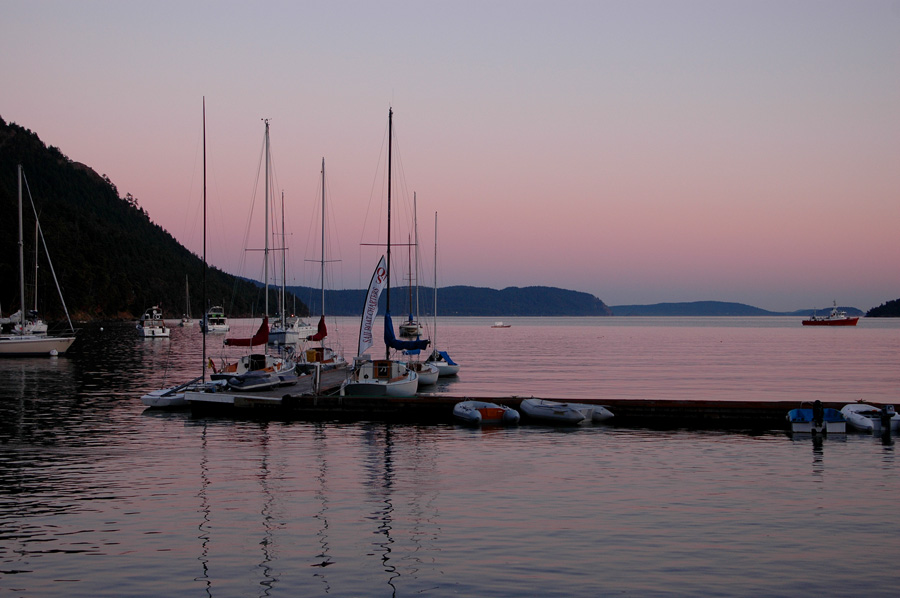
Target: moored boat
(869,418)
(152,324)
(173,397)
(24,344)
(485,413)
(383,377)
(554,411)
(817,420)
(440,359)
(214,321)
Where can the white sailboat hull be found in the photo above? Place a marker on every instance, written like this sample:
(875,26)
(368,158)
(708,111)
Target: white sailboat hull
(380,379)
(34,345)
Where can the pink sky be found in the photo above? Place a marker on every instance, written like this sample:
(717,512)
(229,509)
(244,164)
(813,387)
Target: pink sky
(639,151)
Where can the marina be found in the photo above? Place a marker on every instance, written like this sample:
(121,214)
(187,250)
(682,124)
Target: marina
(695,486)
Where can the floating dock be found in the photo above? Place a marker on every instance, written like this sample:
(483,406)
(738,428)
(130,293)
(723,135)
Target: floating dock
(301,402)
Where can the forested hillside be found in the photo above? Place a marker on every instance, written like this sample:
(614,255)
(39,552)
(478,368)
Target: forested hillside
(112,261)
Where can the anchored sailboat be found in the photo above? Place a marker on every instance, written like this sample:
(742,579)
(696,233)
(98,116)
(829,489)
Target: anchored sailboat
(33,344)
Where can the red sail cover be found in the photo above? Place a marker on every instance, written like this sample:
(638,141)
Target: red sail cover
(321,333)
(260,338)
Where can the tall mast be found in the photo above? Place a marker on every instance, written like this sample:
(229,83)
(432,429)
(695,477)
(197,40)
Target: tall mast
(416,232)
(434,324)
(283,267)
(36,225)
(205,328)
(323,239)
(390,140)
(21,261)
(266,249)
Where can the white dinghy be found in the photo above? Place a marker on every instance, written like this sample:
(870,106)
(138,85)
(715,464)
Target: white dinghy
(869,418)
(554,411)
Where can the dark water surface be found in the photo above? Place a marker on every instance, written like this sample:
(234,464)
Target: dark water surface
(99,497)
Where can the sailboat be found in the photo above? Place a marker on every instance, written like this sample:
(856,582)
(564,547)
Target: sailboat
(411,328)
(173,397)
(22,343)
(277,365)
(440,359)
(428,372)
(32,323)
(287,330)
(382,377)
(320,357)
(186,319)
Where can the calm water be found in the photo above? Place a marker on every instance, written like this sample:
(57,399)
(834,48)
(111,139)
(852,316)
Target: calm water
(100,498)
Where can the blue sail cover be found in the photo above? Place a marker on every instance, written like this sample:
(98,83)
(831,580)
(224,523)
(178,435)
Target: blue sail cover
(391,341)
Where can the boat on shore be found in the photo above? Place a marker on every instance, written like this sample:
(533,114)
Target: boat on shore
(837,317)
(869,418)
(817,420)
(500,325)
(485,413)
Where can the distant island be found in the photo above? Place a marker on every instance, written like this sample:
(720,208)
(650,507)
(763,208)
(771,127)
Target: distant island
(715,308)
(462,301)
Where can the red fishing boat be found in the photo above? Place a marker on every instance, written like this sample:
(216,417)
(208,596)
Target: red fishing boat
(835,318)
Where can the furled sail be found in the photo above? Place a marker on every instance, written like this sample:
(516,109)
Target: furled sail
(321,333)
(391,341)
(260,338)
(370,308)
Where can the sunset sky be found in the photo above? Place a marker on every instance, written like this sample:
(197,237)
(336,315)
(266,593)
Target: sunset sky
(641,151)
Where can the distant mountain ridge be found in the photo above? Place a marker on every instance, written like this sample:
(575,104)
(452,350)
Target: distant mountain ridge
(462,301)
(716,308)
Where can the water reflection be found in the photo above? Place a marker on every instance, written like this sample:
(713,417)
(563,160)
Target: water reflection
(268,520)
(321,493)
(204,525)
(380,465)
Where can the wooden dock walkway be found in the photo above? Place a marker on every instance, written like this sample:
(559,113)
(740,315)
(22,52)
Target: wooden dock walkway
(301,402)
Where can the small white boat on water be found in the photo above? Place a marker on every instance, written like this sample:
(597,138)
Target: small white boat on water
(214,321)
(500,325)
(484,413)
(152,324)
(555,411)
(817,420)
(869,418)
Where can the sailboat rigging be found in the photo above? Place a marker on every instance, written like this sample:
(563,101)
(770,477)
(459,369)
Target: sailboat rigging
(34,344)
(383,377)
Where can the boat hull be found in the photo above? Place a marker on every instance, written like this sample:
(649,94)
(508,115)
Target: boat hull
(802,421)
(826,322)
(484,413)
(428,373)
(552,411)
(23,346)
(868,418)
